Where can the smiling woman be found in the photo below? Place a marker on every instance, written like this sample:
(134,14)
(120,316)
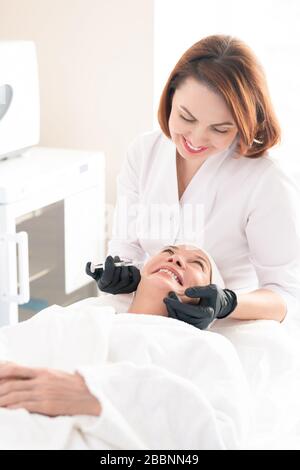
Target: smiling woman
(218,87)
(177,269)
(173,269)
(210,159)
(208,130)
(187,266)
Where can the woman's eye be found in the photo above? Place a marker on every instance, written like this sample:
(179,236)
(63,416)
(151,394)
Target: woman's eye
(168,251)
(192,120)
(199,262)
(220,132)
(185,119)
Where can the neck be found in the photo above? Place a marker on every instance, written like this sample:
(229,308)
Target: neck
(146,302)
(187,169)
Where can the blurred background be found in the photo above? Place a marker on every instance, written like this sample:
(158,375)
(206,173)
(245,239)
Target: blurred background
(95,68)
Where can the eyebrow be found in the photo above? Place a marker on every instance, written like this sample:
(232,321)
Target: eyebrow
(226,123)
(197,256)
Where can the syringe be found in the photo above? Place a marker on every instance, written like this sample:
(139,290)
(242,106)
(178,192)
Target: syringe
(93,267)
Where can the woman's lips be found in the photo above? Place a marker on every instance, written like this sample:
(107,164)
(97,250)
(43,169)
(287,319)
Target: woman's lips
(178,288)
(188,149)
(179,279)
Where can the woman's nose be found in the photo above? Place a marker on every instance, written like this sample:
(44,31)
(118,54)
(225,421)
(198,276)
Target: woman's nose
(177,260)
(199,137)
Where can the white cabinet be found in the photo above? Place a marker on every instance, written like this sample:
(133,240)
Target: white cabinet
(52,209)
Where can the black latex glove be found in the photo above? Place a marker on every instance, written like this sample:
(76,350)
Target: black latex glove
(115,279)
(214,303)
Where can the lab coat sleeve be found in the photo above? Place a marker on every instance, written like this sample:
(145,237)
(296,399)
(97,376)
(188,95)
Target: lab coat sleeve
(124,241)
(272,231)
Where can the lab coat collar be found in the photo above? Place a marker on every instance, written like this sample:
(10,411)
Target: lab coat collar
(202,182)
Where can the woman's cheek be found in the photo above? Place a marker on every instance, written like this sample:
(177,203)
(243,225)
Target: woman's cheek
(228,139)
(150,266)
(176,125)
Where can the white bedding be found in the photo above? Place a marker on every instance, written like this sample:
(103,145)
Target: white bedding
(162,384)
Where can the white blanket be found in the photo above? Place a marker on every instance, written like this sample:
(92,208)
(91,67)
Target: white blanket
(162,384)
(270,356)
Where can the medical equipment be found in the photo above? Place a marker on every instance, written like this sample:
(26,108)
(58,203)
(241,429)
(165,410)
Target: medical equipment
(51,200)
(94,267)
(19,98)
(51,221)
(115,276)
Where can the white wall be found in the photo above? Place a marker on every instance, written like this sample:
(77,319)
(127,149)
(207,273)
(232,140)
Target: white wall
(96,71)
(270,27)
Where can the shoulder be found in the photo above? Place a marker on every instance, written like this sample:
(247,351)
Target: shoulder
(144,149)
(275,177)
(274,189)
(262,171)
(258,165)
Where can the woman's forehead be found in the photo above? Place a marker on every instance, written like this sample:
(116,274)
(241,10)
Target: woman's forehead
(189,249)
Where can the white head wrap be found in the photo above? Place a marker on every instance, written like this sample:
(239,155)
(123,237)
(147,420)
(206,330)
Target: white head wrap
(216,277)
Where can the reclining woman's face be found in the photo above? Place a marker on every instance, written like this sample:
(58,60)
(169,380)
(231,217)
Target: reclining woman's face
(176,268)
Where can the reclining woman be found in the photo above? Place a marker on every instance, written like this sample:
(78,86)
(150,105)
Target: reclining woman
(144,379)
(177,269)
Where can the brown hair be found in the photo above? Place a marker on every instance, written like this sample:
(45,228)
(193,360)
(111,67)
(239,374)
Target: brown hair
(228,67)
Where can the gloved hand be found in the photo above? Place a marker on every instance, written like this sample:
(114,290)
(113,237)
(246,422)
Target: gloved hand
(115,279)
(214,303)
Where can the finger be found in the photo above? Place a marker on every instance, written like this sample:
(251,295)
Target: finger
(13,385)
(31,406)
(174,307)
(179,315)
(110,273)
(106,276)
(170,306)
(41,408)
(201,291)
(198,311)
(109,262)
(12,370)
(189,317)
(183,311)
(171,312)
(172,300)
(134,280)
(116,278)
(96,275)
(124,278)
(172,295)
(14,398)
(187,310)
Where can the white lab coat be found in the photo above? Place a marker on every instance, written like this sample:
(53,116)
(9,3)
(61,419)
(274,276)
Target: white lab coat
(244,215)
